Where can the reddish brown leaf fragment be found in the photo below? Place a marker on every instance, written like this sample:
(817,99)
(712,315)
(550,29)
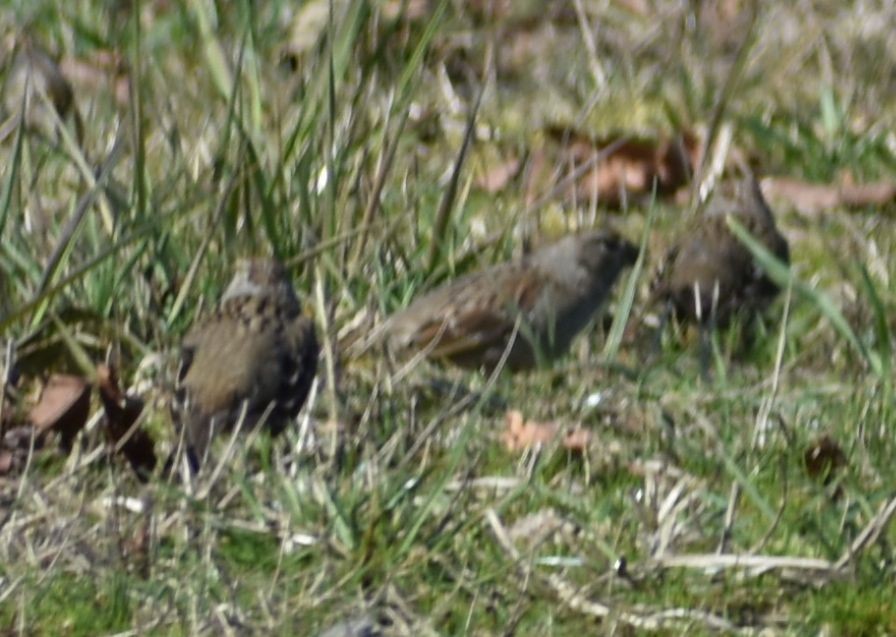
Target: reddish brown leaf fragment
(520,434)
(629,167)
(812,199)
(63,406)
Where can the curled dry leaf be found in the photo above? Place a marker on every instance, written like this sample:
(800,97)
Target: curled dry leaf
(521,434)
(122,412)
(824,458)
(63,406)
(631,165)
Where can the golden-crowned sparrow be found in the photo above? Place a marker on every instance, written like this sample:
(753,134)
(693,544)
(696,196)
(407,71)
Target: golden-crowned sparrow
(35,82)
(540,302)
(708,274)
(253,358)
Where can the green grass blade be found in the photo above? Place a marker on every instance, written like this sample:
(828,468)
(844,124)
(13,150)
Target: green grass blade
(782,275)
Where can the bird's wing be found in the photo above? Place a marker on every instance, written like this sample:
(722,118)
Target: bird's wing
(475,313)
(295,354)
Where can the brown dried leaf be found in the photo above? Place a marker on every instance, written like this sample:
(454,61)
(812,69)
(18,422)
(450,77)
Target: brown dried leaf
(63,406)
(631,166)
(812,199)
(823,458)
(122,412)
(521,434)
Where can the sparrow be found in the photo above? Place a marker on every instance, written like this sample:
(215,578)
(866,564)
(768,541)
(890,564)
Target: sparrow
(33,75)
(253,359)
(708,275)
(530,309)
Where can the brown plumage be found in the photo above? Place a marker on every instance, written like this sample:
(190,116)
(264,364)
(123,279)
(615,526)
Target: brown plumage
(256,353)
(709,267)
(550,294)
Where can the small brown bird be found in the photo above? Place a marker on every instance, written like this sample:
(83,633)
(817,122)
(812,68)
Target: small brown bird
(708,275)
(35,82)
(255,357)
(546,298)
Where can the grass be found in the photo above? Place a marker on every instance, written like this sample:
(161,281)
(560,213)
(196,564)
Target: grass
(331,135)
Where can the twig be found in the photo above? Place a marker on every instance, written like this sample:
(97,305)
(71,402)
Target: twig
(597,70)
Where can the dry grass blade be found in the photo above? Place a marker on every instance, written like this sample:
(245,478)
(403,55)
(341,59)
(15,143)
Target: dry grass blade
(784,277)
(707,156)
(203,247)
(381,150)
(869,534)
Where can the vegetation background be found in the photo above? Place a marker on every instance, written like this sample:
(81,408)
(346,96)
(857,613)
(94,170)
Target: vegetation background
(380,148)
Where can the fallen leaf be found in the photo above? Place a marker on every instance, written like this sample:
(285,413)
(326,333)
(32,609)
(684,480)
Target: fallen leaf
(122,412)
(811,199)
(520,434)
(625,167)
(823,458)
(63,406)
